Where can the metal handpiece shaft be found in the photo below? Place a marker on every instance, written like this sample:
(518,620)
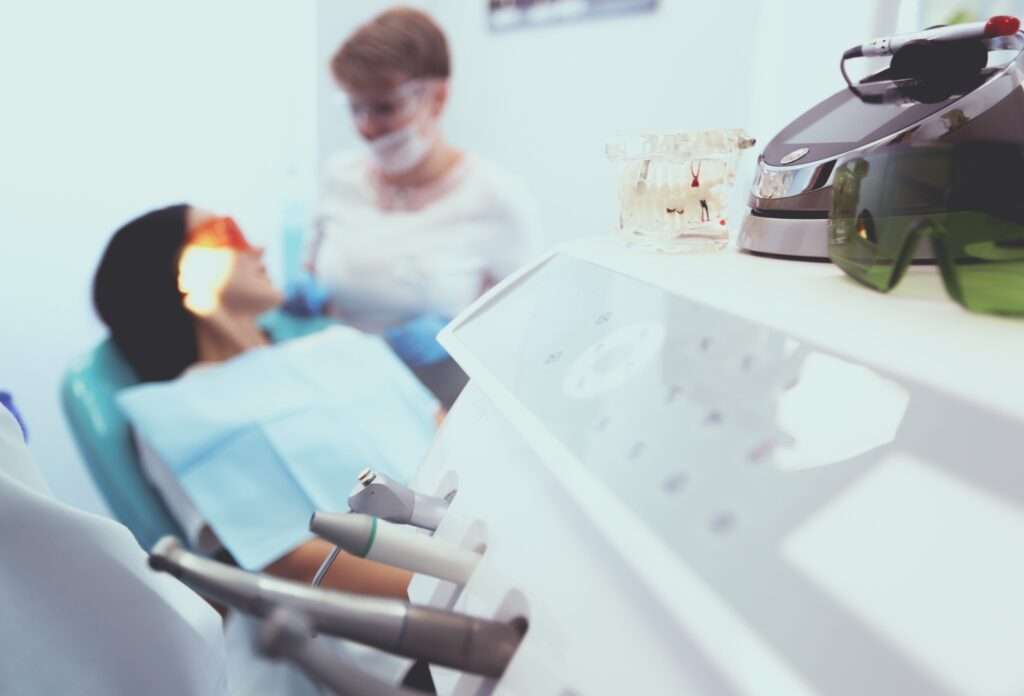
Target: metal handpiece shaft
(371,620)
(287,634)
(442,637)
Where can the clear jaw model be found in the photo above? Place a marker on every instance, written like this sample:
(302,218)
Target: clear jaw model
(674,188)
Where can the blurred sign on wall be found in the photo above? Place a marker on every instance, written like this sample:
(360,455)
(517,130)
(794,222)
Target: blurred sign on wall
(505,15)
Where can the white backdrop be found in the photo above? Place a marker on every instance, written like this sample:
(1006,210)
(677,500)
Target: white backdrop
(542,102)
(113,107)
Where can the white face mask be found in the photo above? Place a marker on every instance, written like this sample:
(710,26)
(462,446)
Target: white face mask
(403,149)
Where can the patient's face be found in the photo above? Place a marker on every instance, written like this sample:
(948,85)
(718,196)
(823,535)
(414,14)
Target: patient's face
(220,271)
(249,288)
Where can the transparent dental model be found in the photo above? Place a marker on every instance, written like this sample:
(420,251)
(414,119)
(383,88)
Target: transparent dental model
(675,188)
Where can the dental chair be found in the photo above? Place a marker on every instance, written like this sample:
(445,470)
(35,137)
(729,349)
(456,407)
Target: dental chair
(104,437)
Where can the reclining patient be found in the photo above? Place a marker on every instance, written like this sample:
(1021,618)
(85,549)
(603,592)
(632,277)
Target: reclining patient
(244,438)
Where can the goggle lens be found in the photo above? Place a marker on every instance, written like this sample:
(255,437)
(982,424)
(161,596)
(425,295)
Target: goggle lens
(219,233)
(968,199)
(391,107)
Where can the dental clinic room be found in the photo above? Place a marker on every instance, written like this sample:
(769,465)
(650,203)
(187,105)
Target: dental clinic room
(512,348)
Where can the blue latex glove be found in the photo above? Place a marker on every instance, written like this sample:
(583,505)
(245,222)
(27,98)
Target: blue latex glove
(7,401)
(415,341)
(306,298)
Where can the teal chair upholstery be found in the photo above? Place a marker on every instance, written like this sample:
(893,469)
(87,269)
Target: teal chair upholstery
(104,438)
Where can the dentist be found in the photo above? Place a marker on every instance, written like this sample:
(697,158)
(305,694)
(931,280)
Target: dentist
(410,226)
(83,613)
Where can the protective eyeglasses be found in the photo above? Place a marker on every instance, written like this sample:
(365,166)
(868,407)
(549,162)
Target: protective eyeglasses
(394,107)
(219,233)
(967,199)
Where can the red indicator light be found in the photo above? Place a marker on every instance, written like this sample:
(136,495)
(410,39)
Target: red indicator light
(1002,25)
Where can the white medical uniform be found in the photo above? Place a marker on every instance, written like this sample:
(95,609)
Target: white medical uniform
(82,612)
(386,256)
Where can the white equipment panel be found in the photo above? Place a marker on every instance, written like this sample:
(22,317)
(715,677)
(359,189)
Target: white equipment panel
(732,475)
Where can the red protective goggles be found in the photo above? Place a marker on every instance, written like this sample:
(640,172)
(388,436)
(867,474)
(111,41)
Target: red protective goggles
(219,233)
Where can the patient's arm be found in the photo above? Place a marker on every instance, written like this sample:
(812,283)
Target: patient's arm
(348,573)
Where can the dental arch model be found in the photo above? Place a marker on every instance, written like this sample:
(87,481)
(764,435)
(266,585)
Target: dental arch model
(674,186)
(674,196)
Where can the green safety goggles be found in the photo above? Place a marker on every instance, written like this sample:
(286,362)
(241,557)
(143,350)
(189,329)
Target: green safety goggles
(967,199)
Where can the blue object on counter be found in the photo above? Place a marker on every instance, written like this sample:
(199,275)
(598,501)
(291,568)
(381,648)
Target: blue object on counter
(8,402)
(415,341)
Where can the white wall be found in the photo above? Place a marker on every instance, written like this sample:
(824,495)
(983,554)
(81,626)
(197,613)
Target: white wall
(113,107)
(542,102)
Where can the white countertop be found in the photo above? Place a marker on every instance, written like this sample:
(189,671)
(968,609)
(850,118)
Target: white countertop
(583,365)
(916,331)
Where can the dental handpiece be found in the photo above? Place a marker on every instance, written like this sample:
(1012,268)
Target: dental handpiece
(377,540)
(383,497)
(288,634)
(442,637)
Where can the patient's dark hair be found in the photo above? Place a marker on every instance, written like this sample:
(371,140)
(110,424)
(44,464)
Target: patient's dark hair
(136,294)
